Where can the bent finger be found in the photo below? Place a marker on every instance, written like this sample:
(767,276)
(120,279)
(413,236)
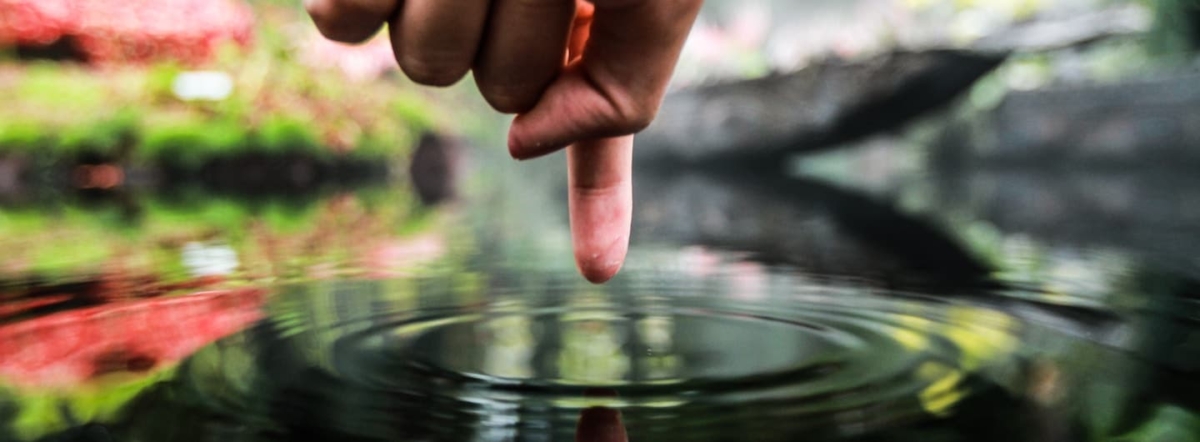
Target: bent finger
(522,51)
(600,201)
(617,86)
(350,21)
(435,41)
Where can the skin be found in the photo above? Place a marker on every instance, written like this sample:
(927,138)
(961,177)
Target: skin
(599,424)
(580,75)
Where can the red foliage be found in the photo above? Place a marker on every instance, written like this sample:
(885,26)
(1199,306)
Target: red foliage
(128,31)
(71,347)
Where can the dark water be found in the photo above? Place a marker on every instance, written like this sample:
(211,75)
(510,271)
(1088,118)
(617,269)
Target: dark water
(755,306)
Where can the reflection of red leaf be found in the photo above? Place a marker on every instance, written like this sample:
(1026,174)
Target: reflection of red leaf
(71,347)
(10,308)
(400,257)
(128,30)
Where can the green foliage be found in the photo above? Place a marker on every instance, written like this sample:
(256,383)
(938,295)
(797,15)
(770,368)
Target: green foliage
(159,79)
(278,106)
(188,144)
(412,112)
(105,137)
(1169,423)
(288,218)
(49,411)
(280,134)
(42,84)
(1176,27)
(22,136)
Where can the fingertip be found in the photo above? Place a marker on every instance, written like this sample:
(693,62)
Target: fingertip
(600,201)
(601,240)
(599,268)
(515,148)
(522,146)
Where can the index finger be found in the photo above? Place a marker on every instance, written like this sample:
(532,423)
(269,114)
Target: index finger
(600,202)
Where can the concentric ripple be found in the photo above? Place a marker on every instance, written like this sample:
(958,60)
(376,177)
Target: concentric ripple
(682,360)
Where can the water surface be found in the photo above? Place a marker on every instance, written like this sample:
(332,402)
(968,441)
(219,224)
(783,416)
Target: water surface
(754,306)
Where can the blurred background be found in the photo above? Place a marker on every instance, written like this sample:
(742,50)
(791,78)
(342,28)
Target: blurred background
(196,197)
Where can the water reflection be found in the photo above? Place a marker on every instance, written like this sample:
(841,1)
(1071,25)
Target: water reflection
(379,360)
(802,223)
(1145,211)
(816,313)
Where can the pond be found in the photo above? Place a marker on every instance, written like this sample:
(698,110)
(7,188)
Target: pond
(898,304)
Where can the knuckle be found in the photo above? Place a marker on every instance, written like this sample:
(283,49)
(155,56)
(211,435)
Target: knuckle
(527,5)
(344,34)
(347,21)
(631,115)
(614,4)
(373,8)
(433,70)
(508,104)
(507,99)
(625,110)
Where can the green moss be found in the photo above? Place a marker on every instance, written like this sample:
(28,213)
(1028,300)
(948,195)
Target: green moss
(414,113)
(279,134)
(288,218)
(22,136)
(49,411)
(44,85)
(188,145)
(104,137)
(159,81)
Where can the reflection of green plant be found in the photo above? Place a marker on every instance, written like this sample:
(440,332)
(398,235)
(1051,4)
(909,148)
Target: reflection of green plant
(1175,29)
(188,144)
(21,135)
(277,134)
(1169,423)
(73,240)
(45,412)
(104,137)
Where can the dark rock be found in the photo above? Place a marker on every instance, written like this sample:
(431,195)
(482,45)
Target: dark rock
(1148,122)
(1068,31)
(434,168)
(828,103)
(11,170)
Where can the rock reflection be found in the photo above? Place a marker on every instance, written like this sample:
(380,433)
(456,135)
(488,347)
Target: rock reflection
(802,223)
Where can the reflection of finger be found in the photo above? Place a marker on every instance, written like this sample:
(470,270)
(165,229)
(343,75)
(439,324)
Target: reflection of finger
(349,21)
(436,40)
(600,200)
(522,52)
(600,424)
(616,88)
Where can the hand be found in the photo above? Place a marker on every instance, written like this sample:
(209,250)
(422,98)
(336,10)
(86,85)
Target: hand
(582,74)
